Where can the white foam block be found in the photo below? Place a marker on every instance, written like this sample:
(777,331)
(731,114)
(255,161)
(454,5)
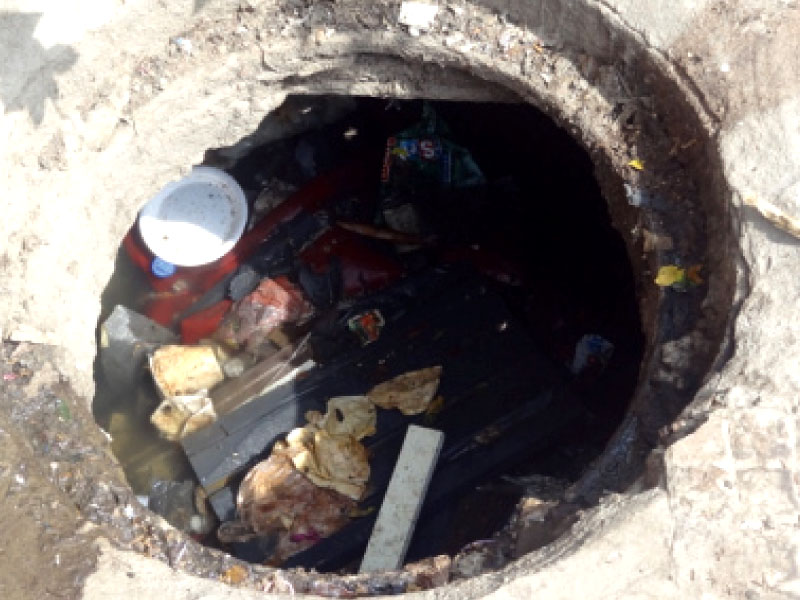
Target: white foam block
(398,515)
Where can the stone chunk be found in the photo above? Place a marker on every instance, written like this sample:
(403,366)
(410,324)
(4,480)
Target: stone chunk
(125,339)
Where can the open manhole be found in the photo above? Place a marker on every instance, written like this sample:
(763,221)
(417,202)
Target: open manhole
(506,272)
(468,236)
(527,275)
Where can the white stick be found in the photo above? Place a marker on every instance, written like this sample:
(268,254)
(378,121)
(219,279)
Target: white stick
(398,516)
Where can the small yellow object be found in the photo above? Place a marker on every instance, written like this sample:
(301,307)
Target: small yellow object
(693,274)
(357,513)
(670,275)
(400,151)
(235,575)
(679,278)
(636,163)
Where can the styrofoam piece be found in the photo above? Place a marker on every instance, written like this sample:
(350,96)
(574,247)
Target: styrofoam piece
(195,220)
(400,509)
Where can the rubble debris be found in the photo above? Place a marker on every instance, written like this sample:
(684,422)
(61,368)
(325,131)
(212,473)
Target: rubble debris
(442,296)
(178,416)
(410,392)
(125,339)
(275,497)
(252,319)
(180,370)
(327,453)
(403,501)
(420,575)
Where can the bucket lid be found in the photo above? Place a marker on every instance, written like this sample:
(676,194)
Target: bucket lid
(195,220)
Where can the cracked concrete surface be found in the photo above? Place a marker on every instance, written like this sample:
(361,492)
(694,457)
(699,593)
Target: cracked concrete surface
(89,130)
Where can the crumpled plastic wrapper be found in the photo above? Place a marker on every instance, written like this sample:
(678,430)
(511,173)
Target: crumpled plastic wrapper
(338,462)
(177,417)
(410,392)
(347,415)
(183,370)
(276,497)
(308,487)
(254,317)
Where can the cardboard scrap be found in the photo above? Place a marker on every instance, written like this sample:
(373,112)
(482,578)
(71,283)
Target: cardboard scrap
(178,416)
(410,392)
(347,415)
(181,370)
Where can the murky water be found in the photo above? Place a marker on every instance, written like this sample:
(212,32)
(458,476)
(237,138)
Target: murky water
(144,455)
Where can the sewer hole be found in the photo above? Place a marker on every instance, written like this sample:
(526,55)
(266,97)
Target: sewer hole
(478,242)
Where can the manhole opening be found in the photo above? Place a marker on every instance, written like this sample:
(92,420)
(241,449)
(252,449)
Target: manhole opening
(497,281)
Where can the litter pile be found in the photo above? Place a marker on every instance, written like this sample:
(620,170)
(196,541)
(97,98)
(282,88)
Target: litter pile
(353,305)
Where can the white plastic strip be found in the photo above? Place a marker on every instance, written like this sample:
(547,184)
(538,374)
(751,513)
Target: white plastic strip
(398,516)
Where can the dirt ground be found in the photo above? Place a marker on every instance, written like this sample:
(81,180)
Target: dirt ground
(102,105)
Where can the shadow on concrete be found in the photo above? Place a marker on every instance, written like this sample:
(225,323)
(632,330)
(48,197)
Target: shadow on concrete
(199,4)
(769,229)
(28,70)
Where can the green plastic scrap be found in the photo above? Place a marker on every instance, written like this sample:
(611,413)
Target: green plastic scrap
(64,412)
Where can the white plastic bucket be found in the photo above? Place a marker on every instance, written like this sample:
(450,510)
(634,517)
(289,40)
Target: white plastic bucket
(195,220)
